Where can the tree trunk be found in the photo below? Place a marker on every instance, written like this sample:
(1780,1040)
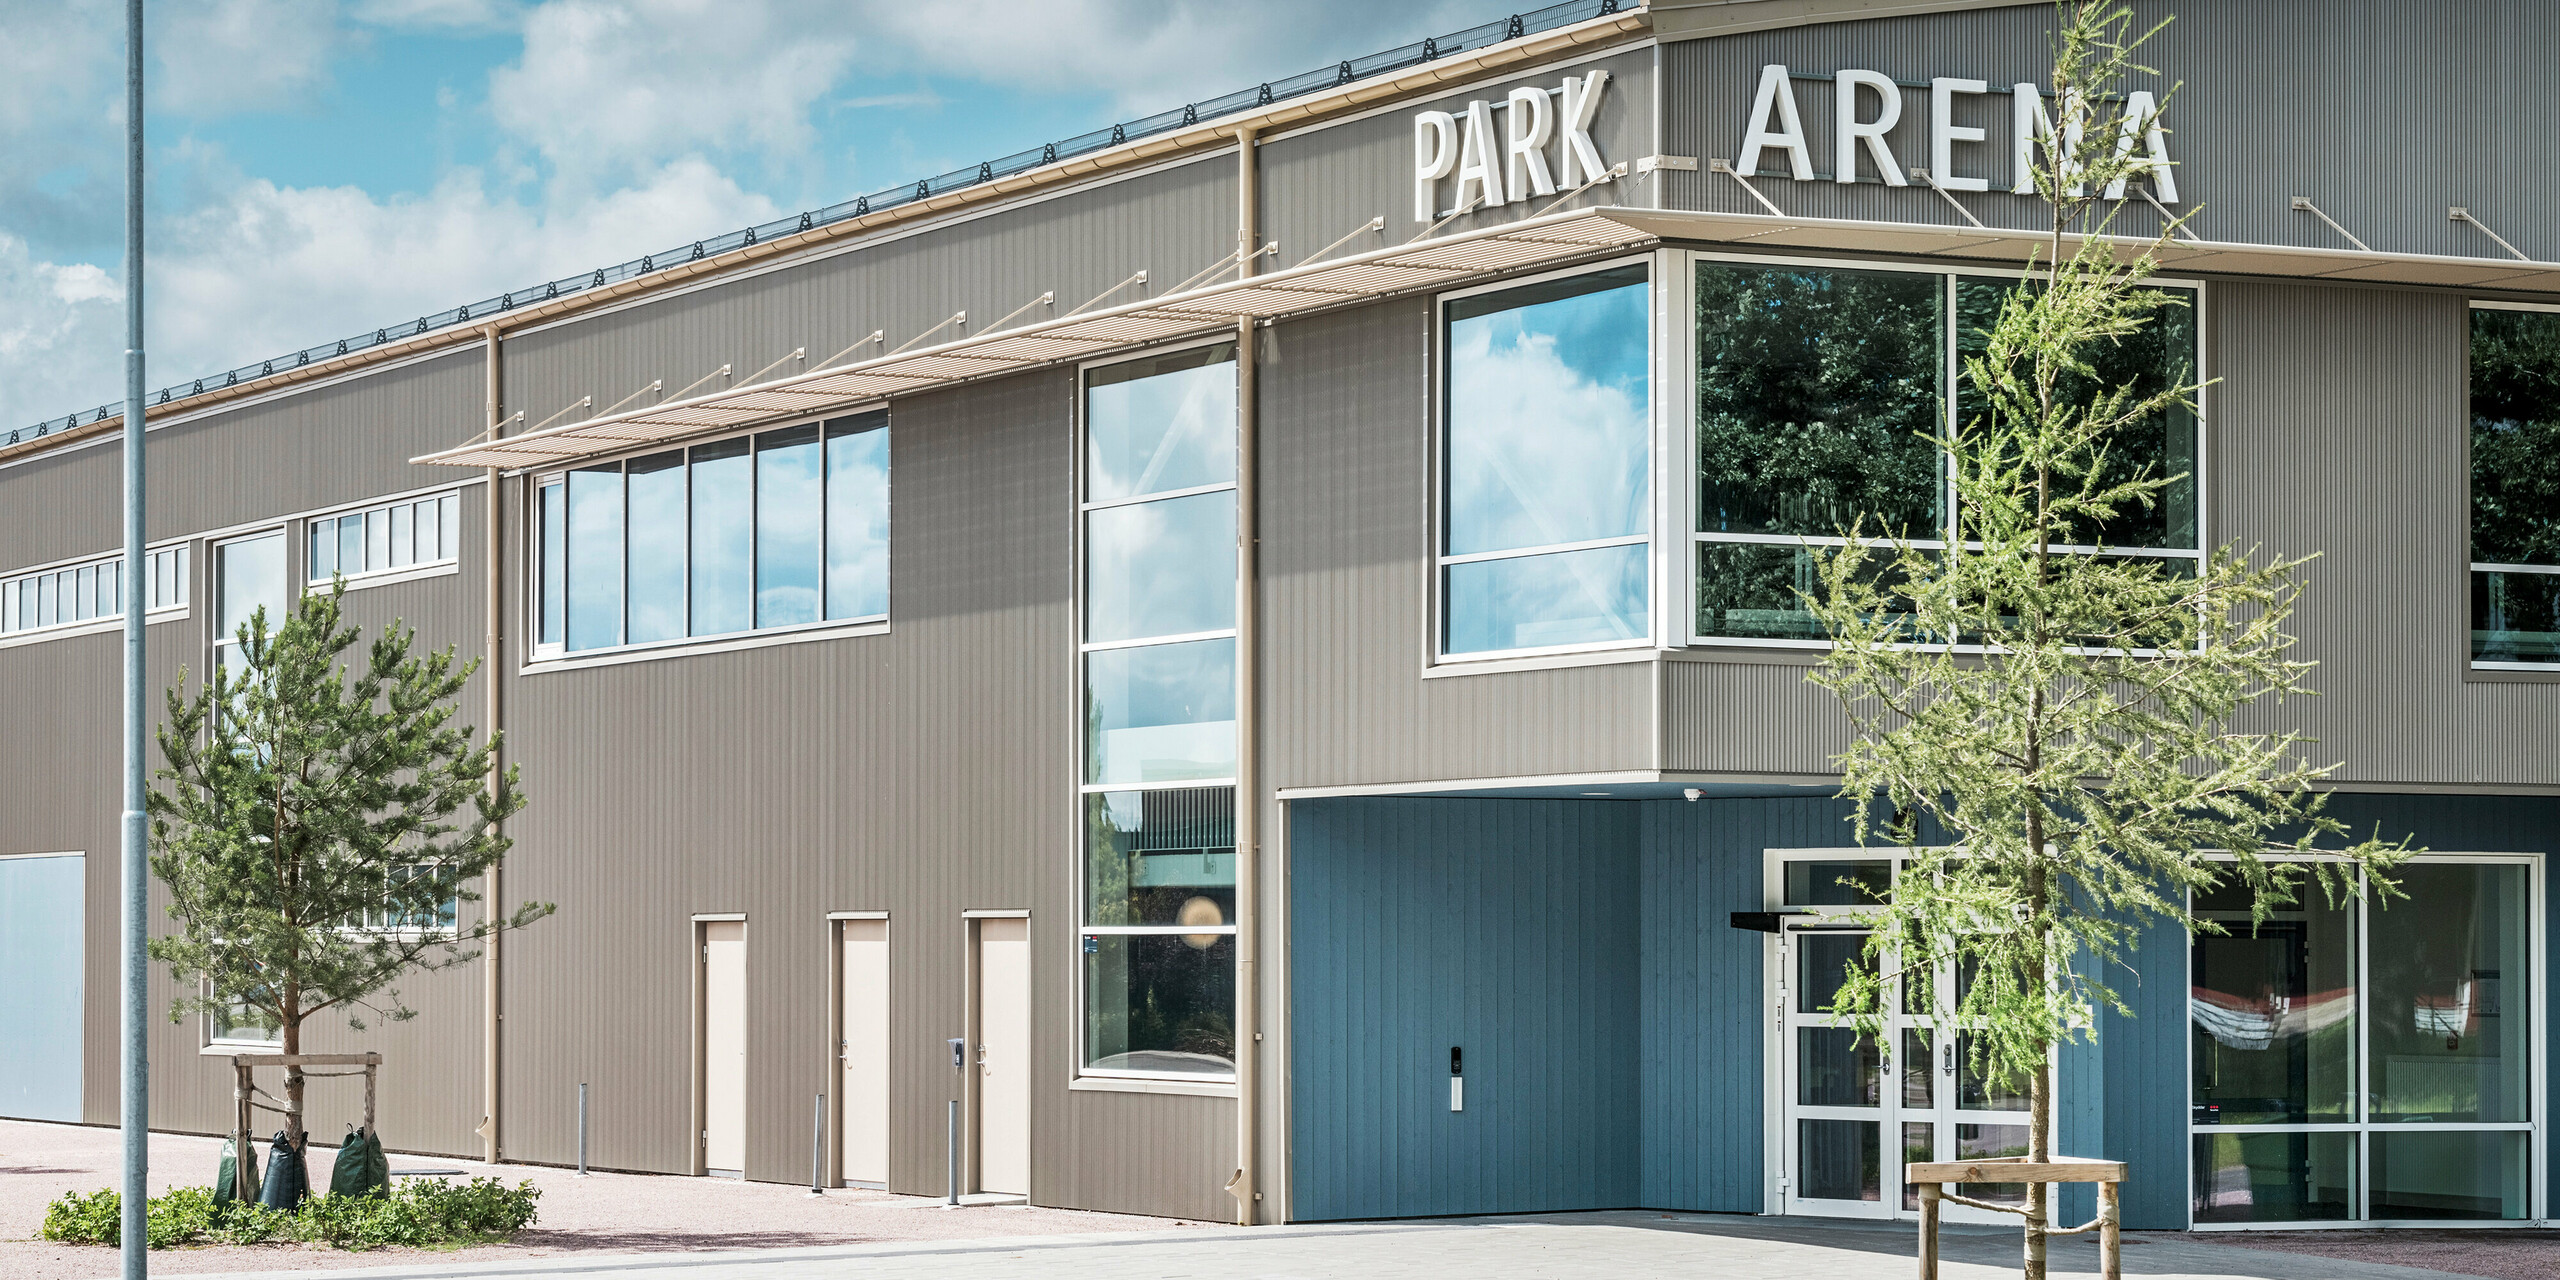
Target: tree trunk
(2039,1089)
(291,1009)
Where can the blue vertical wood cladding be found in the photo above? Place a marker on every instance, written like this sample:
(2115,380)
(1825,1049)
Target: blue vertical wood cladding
(1704,1007)
(1506,927)
(2144,1061)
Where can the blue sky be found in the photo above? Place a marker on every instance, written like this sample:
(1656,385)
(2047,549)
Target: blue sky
(324,166)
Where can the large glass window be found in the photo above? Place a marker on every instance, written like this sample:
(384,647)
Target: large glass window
(782,529)
(1546,460)
(1822,393)
(1158,522)
(2368,1060)
(2515,486)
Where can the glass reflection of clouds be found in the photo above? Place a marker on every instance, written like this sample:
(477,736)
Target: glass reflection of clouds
(1161,568)
(782,528)
(1161,424)
(1548,449)
(858,518)
(1162,712)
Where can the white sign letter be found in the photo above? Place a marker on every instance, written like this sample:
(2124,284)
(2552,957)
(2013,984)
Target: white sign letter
(1848,130)
(2142,114)
(1480,158)
(1944,133)
(1526,126)
(1435,154)
(1777,94)
(1578,161)
(2030,128)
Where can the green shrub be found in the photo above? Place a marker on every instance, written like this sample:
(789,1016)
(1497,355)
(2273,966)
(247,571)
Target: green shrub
(420,1212)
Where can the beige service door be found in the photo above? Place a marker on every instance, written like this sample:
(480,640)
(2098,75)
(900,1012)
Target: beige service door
(1004,1056)
(724,1046)
(864,1091)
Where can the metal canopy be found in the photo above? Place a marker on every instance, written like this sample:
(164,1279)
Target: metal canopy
(1430,264)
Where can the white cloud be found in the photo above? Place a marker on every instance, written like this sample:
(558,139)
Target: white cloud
(272,269)
(606,85)
(438,15)
(1150,55)
(221,56)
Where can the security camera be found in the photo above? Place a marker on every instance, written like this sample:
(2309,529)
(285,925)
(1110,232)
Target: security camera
(1690,794)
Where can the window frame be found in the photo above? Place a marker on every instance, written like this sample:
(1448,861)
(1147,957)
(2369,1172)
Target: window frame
(1684,426)
(2537,1127)
(215,640)
(448,561)
(181,550)
(1437,561)
(1081,1074)
(536,656)
(2473,568)
(216,1043)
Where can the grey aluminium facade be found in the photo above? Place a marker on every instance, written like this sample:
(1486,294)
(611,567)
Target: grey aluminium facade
(1305,724)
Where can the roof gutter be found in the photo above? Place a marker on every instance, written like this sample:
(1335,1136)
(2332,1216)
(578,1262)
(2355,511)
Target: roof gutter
(1208,136)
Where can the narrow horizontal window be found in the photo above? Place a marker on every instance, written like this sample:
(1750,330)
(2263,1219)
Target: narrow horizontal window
(89,593)
(400,535)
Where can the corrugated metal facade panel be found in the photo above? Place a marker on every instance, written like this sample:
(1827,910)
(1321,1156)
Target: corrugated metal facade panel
(1346,557)
(1748,715)
(344,442)
(2336,407)
(2275,98)
(925,772)
(58,792)
(1500,927)
(1319,184)
(1169,223)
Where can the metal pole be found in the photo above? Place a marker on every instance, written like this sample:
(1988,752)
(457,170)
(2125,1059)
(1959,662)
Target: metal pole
(582,1128)
(817,1145)
(136,1110)
(953,1200)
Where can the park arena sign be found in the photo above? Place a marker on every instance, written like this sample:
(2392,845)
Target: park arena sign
(1497,168)
(1775,124)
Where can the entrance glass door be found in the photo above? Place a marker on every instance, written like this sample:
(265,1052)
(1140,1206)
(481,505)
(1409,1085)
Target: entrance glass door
(1855,1109)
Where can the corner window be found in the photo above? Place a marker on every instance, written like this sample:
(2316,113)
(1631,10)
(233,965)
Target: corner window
(1821,394)
(784,529)
(1546,480)
(74,594)
(1158,525)
(2515,487)
(401,535)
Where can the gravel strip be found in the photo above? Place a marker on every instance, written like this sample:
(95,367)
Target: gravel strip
(2498,1254)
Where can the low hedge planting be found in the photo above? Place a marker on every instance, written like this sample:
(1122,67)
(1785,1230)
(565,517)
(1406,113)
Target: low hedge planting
(421,1212)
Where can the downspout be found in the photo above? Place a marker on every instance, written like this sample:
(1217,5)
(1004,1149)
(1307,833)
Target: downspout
(493,663)
(1248,702)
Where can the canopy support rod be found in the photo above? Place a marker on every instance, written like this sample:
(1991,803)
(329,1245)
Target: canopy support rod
(1726,168)
(2460,214)
(2302,204)
(572,407)
(1378,223)
(1215,267)
(654,384)
(1425,233)
(2177,223)
(1050,297)
(758,375)
(699,381)
(1615,172)
(957,317)
(876,335)
(1930,180)
(1140,278)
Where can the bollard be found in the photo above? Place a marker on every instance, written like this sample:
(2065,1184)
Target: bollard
(954,1201)
(817,1146)
(582,1128)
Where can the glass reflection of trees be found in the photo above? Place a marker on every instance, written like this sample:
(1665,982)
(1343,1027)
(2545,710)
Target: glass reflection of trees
(2515,485)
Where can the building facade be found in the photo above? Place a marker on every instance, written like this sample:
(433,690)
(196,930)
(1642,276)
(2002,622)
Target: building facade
(1304,720)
